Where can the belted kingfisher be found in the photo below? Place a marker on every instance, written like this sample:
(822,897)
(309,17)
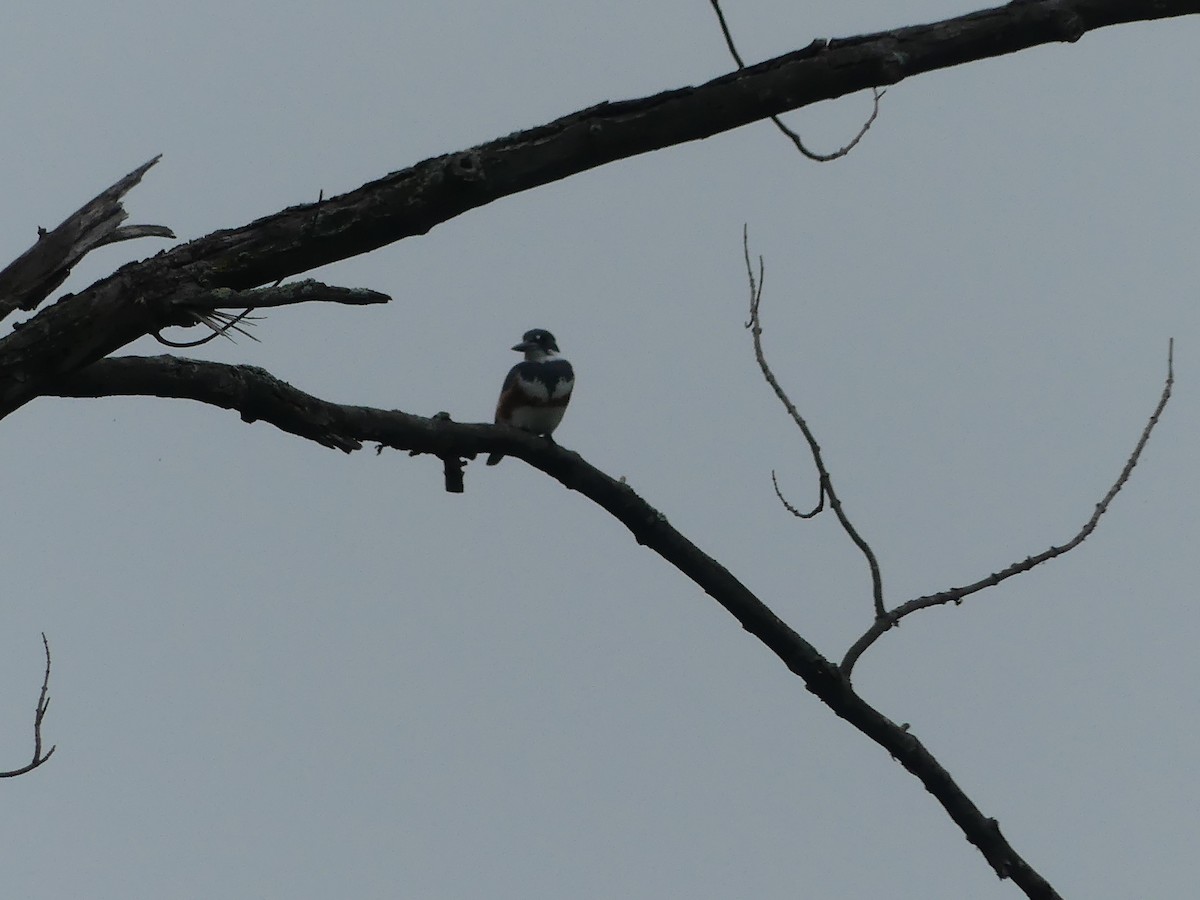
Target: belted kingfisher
(536,392)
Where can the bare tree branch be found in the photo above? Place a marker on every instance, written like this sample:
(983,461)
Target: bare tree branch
(30,278)
(132,232)
(39,714)
(812,513)
(144,298)
(306,291)
(253,392)
(791,135)
(826,481)
(733,50)
(955,595)
(60,349)
(258,395)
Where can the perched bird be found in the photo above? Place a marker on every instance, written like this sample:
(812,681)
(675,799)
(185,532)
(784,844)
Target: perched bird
(537,390)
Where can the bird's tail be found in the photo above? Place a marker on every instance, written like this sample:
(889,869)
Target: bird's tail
(494,458)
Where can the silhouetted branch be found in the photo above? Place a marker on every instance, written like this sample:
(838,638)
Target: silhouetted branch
(253,392)
(60,350)
(145,298)
(826,482)
(39,714)
(733,50)
(788,132)
(30,278)
(258,395)
(955,595)
(305,291)
(793,510)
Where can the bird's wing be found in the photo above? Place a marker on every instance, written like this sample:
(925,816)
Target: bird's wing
(508,396)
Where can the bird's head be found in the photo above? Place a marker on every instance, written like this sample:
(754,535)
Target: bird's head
(537,344)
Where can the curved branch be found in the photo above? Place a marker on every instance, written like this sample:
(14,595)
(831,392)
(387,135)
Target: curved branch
(132,232)
(414,200)
(787,132)
(259,396)
(39,714)
(253,392)
(955,595)
(264,397)
(812,513)
(139,299)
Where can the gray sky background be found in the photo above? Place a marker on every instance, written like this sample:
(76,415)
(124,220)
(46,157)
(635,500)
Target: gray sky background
(280,671)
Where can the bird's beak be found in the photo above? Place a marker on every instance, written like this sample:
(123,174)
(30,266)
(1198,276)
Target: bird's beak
(524,346)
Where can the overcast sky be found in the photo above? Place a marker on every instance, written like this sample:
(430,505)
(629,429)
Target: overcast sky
(281,671)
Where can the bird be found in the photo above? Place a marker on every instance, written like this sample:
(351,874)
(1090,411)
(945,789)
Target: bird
(537,390)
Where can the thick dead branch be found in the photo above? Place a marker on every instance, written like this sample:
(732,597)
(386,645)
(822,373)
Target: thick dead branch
(825,480)
(306,291)
(787,132)
(258,395)
(140,299)
(30,278)
(955,595)
(39,714)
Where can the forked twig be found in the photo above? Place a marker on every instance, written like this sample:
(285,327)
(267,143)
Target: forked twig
(788,132)
(39,714)
(955,595)
(826,482)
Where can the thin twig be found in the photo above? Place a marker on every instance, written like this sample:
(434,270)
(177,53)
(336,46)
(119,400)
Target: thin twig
(956,595)
(788,132)
(826,482)
(877,95)
(793,510)
(43,704)
(733,50)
